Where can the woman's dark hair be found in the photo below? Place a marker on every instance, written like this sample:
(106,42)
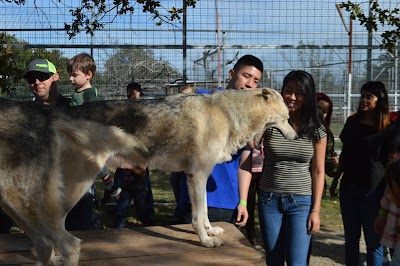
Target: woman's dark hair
(323,97)
(310,113)
(382,114)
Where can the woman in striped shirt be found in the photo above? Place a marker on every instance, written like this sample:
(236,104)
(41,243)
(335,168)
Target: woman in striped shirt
(290,196)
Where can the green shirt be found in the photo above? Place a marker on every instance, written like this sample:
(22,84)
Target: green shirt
(86,96)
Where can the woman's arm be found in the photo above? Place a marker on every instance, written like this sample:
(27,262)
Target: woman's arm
(244,175)
(380,219)
(318,181)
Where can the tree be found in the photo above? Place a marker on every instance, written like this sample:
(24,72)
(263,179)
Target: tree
(10,69)
(384,70)
(316,64)
(379,16)
(14,60)
(91,15)
(140,65)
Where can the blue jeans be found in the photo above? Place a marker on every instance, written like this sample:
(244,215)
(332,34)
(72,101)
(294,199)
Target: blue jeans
(142,197)
(221,215)
(5,223)
(82,215)
(214,215)
(175,180)
(283,223)
(359,207)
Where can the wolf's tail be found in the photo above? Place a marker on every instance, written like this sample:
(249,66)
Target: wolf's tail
(98,140)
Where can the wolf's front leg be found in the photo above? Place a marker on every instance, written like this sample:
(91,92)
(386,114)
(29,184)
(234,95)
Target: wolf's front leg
(197,187)
(211,230)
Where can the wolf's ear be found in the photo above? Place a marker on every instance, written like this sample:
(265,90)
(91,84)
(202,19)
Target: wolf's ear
(265,92)
(268,94)
(271,93)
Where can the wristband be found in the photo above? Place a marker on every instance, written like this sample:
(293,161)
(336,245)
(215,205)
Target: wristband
(314,211)
(382,212)
(243,203)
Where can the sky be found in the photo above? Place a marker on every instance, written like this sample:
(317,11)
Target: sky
(253,26)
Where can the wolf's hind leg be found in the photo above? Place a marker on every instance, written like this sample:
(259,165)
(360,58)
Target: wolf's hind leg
(68,245)
(54,236)
(44,246)
(44,250)
(53,230)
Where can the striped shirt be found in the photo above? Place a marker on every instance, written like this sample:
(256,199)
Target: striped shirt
(287,163)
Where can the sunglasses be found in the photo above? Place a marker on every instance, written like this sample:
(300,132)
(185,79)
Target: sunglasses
(41,77)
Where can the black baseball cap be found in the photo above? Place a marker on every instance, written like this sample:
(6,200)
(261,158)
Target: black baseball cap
(135,86)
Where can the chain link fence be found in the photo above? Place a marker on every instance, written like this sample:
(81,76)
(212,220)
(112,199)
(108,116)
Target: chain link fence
(311,35)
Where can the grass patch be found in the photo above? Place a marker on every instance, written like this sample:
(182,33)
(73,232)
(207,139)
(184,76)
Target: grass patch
(330,210)
(330,214)
(165,205)
(163,197)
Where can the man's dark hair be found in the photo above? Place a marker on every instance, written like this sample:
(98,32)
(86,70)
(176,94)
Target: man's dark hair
(249,60)
(134,86)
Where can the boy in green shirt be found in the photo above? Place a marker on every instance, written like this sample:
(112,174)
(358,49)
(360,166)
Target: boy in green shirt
(81,69)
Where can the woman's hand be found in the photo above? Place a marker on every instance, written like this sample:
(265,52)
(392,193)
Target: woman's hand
(313,223)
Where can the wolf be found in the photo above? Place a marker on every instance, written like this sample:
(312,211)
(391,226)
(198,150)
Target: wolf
(50,156)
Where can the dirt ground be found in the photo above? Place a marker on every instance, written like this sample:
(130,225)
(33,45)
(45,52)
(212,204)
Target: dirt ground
(328,248)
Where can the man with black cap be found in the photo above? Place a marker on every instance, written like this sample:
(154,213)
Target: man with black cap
(133,182)
(42,78)
(134,91)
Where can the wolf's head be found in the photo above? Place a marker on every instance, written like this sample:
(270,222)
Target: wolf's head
(275,114)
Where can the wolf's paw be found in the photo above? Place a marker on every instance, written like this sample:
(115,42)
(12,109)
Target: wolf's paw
(214,231)
(211,242)
(56,260)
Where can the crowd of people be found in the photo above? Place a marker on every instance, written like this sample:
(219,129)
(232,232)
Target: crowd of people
(284,179)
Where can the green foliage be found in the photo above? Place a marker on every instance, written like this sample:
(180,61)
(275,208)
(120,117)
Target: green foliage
(18,2)
(379,16)
(316,60)
(90,15)
(10,70)
(14,58)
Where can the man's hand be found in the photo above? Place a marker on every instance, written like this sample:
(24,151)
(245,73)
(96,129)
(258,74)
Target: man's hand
(242,215)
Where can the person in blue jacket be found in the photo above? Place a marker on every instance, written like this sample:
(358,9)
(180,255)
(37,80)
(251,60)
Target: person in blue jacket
(224,201)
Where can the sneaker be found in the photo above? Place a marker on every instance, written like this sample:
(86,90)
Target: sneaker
(174,218)
(116,193)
